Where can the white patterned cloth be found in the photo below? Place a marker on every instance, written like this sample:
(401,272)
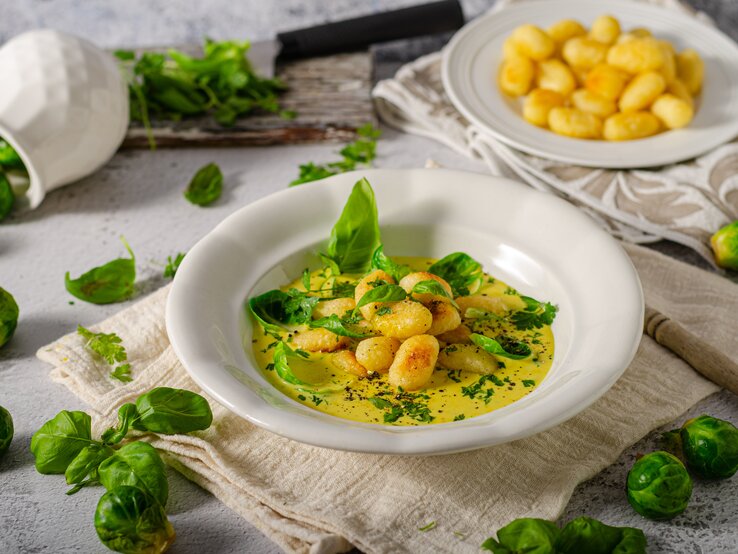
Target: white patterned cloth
(685,202)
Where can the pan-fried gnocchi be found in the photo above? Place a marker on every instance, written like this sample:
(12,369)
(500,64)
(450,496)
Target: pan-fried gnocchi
(581,82)
(412,360)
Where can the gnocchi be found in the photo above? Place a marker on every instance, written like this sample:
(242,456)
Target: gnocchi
(575,80)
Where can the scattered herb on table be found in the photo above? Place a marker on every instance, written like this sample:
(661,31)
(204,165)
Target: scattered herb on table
(206,186)
(173,265)
(6,430)
(222,83)
(110,348)
(112,282)
(9,313)
(130,516)
(361,152)
(427,527)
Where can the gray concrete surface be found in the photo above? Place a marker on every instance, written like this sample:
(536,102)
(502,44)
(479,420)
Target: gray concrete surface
(139,195)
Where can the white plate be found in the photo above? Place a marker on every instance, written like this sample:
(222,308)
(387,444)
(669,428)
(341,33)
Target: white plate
(472,58)
(535,242)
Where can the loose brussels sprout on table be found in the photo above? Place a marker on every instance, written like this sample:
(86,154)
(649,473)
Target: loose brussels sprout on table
(659,486)
(6,430)
(130,521)
(8,316)
(710,447)
(725,246)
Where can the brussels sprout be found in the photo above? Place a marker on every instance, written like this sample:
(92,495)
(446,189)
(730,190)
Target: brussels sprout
(6,430)
(710,447)
(659,486)
(130,521)
(8,316)
(530,535)
(725,246)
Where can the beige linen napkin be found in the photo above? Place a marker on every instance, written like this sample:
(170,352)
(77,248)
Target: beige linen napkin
(309,499)
(684,202)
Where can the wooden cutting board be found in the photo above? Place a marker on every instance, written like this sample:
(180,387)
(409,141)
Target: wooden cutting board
(331,95)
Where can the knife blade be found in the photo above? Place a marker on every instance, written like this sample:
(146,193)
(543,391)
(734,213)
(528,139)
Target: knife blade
(355,34)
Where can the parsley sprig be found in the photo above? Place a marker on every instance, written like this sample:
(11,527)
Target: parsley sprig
(361,152)
(108,346)
(535,315)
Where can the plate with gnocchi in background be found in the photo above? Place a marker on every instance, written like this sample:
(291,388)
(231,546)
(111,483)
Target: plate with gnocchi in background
(612,84)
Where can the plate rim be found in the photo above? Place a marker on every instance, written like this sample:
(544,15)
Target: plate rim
(408,440)
(659,156)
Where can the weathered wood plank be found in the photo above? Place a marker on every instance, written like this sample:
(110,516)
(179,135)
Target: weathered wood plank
(331,95)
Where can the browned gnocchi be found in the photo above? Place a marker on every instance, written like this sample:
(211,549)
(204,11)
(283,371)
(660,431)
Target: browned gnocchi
(604,82)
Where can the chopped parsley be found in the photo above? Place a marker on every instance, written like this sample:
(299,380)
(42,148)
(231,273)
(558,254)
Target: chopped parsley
(459,417)
(406,404)
(478,391)
(108,346)
(535,314)
(384,310)
(529,383)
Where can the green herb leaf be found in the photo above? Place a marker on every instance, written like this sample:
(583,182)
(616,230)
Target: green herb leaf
(382,293)
(306,278)
(172,411)
(360,152)
(173,265)
(334,324)
(137,464)
(385,263)
(355,235)
(85,465)
(535,314)
(459,270)
(112,282)
(585,534)
(8,316)
(7,198)
(126,413)
(206,186)
(122,373)
(9,158)
(282,366)
(432,287)
(129,520)
(411,405)
(427,527)
(276,308)
(524,535)
(504,346)
(60,440)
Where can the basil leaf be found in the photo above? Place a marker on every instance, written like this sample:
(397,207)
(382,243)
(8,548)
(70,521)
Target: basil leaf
(8,316)
(173,265)
(355,235)
(282,366)
(112,282)
(126,413)
(382,293)
(7,198)
(276,308)
(585,534)
(172,411)
(85,465)
(334,324)
(9,158)
(524,535)
(306,279)
(432,287)
(60,440)
(459,270)
(385,263)
(535,315)
(206,186)
(137,464)
(504,347)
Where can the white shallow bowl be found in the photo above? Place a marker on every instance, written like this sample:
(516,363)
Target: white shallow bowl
(472,59)
(535,242)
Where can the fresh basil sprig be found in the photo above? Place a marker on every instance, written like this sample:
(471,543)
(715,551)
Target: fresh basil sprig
(82,470)
(386,264)
(112,282)
(136,464)
(505,347)
(355,236)
(275,309)
(60,440)
(206,186)
(382,293)
(459,270)
(334,324)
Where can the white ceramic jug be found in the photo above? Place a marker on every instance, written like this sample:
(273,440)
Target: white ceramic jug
(63,107)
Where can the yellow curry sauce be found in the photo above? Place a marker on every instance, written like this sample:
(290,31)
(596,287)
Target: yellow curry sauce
(451,395)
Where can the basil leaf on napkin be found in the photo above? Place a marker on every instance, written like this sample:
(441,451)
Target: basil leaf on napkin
(172,411)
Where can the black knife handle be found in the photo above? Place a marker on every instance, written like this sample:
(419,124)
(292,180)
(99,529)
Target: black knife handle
(358,33)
